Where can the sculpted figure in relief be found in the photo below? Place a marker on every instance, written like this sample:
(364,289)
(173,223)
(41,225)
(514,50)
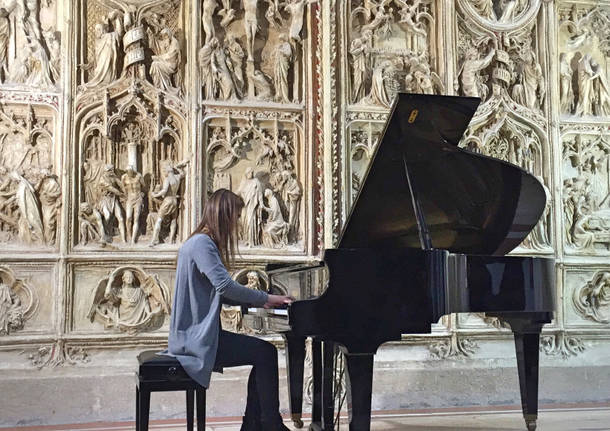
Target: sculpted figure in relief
(107,53)
(5,33)
(533,81)
(206,72)
(132,184)
(601,91)
(132,303)
(169,193)
(31,229)
(296,9)
(49,194)
(251,191)
(39,66)
(88,222)
(586,76)
(236,55)
(469,75)
(484,8)
(263,88)
(109,204)
(359,50)
(220,67)
(227,13)
(207,19)
(565,83)
(11,311)
(275,231)
(291,195)
(283,62)
(251,25)
(55,52)
(165,66)
(383,85)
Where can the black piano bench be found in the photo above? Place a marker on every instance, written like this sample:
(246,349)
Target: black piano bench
(164,373)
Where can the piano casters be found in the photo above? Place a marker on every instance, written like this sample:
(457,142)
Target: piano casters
(295,364)
(526,329)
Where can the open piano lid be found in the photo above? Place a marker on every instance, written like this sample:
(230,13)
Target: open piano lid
(469,203)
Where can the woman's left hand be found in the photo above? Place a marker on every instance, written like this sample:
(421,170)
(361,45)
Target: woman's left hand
(274,301)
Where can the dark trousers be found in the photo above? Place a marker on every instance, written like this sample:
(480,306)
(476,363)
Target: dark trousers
(235,350)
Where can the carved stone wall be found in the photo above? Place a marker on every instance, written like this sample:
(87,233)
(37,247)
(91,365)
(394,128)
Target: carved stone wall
(118,117)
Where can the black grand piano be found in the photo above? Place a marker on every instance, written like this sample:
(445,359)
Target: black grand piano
(427,236)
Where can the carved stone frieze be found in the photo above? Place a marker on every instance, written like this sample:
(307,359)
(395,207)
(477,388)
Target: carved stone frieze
(253,50)
(30,45)
(561,344)
(57,354)
(454,346)
(258,159)
(30,191)
(130,300)
(586,191)
(18,302)
(584,54)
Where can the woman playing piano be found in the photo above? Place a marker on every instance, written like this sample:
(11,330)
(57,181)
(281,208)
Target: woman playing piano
(203,284)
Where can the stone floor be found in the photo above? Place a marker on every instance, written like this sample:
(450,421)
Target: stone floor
(556,419)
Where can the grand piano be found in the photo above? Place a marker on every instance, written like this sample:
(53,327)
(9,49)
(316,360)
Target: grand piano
(427,236)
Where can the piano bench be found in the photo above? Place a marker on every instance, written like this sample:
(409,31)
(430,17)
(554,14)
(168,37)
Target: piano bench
(164,373)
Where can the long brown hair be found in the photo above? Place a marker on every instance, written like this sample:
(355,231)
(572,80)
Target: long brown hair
(219,220)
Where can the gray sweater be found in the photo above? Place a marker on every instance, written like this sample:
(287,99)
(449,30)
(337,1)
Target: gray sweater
(202,282)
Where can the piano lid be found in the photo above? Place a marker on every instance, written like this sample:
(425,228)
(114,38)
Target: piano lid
(469,203)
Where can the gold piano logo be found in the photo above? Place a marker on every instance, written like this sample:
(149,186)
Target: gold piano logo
(413,116)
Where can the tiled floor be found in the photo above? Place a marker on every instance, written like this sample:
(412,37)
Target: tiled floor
(573,419)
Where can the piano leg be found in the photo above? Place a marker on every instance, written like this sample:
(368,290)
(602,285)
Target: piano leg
(328,377)
(359,390)
(526,347)
(323,366)
(295,365)
(526,329)
(316,371)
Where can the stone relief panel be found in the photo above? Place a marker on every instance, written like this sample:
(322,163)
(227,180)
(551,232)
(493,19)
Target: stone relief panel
(499,56)
(30,45)
(584,55)
(392,46)
(123,299)
(30,190)
(130,125)
(586,189)
(587,298)
(27,300)
(253,50)
(498,61)
(18,302)
(258,156)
